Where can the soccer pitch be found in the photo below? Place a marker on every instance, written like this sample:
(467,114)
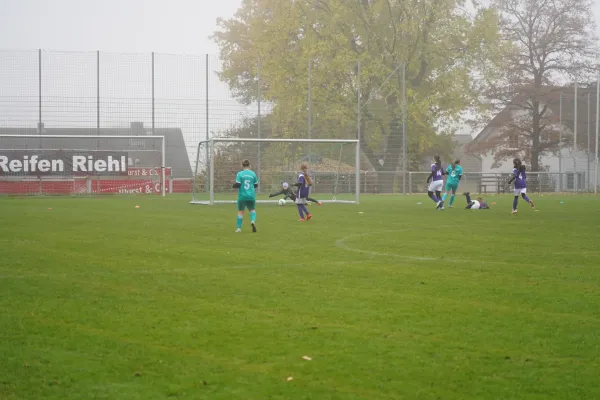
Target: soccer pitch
(390,299)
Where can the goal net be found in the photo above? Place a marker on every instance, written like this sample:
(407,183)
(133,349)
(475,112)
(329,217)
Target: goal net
(82,164)
(334,165)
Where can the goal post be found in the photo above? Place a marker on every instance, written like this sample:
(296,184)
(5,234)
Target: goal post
(334,165)
(82,164)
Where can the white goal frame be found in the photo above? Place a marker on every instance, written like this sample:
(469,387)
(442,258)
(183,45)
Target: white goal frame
(210,148)
(102,137)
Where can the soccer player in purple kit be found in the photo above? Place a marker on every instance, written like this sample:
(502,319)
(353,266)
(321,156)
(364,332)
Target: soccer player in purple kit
(478,204)
(304,184)
(520,179)
(436,177)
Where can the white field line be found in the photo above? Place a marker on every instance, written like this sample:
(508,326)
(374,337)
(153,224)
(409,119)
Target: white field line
(341,243)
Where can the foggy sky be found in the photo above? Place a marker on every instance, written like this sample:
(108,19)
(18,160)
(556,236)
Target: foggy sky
(134,26)
(176,26)
(120,26)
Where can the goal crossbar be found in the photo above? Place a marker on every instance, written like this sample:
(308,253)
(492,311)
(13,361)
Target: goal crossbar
(278,140)
(102,137)
(210,147)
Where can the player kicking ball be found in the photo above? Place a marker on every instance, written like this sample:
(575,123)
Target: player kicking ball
(478,204)
(304,183)
(288,193)
(455,173)
(520,180)
(246,182)
(436,177)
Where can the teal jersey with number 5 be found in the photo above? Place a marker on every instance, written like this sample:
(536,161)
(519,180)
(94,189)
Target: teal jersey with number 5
(454,174)
(247,179)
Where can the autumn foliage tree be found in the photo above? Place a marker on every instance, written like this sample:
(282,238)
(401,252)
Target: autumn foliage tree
(549,42)
(440,42)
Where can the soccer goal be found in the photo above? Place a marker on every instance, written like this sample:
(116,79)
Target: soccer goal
(82,164)
(334,165)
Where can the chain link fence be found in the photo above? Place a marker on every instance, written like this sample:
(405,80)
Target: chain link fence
(188,99)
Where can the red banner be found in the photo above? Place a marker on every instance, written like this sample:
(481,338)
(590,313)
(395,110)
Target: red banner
(126,187)
(92,186)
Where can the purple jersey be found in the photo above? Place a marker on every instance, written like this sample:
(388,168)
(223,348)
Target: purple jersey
(437,172)
(303,188)
(520,179)
(483,205)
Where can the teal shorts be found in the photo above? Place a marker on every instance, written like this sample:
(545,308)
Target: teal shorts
(451,186)
(243,204)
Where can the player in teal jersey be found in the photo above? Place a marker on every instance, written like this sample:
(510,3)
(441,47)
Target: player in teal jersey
(246,182)
(454,172)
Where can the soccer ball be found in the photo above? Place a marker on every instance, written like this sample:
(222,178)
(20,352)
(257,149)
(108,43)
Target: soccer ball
(282,202)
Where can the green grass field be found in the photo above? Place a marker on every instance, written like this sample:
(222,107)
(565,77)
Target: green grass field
(100,300)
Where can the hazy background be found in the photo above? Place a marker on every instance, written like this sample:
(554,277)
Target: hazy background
(176,26)
(125,32)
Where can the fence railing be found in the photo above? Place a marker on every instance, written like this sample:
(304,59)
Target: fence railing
(496,183)
(372,182)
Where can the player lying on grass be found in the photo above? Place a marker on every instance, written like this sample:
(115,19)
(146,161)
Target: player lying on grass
(288,193)
(454,172)
(246,182)
(520,179)
(478,204)
(436,177)
(304,183)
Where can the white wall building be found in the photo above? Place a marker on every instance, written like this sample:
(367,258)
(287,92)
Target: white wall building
(577,167)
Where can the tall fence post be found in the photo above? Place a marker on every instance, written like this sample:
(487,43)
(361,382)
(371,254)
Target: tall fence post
(40,91)
(309,109)
(97,92)
(153,108)
(40,123)
(587,176)
(404,150)
(358,112)
(560,131)
(597,127)
(258,95)
(208,161)
(574,150)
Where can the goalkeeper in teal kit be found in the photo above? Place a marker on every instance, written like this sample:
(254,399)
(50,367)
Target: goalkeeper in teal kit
(246,182)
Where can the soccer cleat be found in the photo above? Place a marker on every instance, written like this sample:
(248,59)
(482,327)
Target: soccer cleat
(514,211)
(309,216)
(531,203)
(440,205)
(466,193)
(238,230)
(253,226)
(301,220)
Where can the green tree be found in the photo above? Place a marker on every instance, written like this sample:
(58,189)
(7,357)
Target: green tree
(442,45)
